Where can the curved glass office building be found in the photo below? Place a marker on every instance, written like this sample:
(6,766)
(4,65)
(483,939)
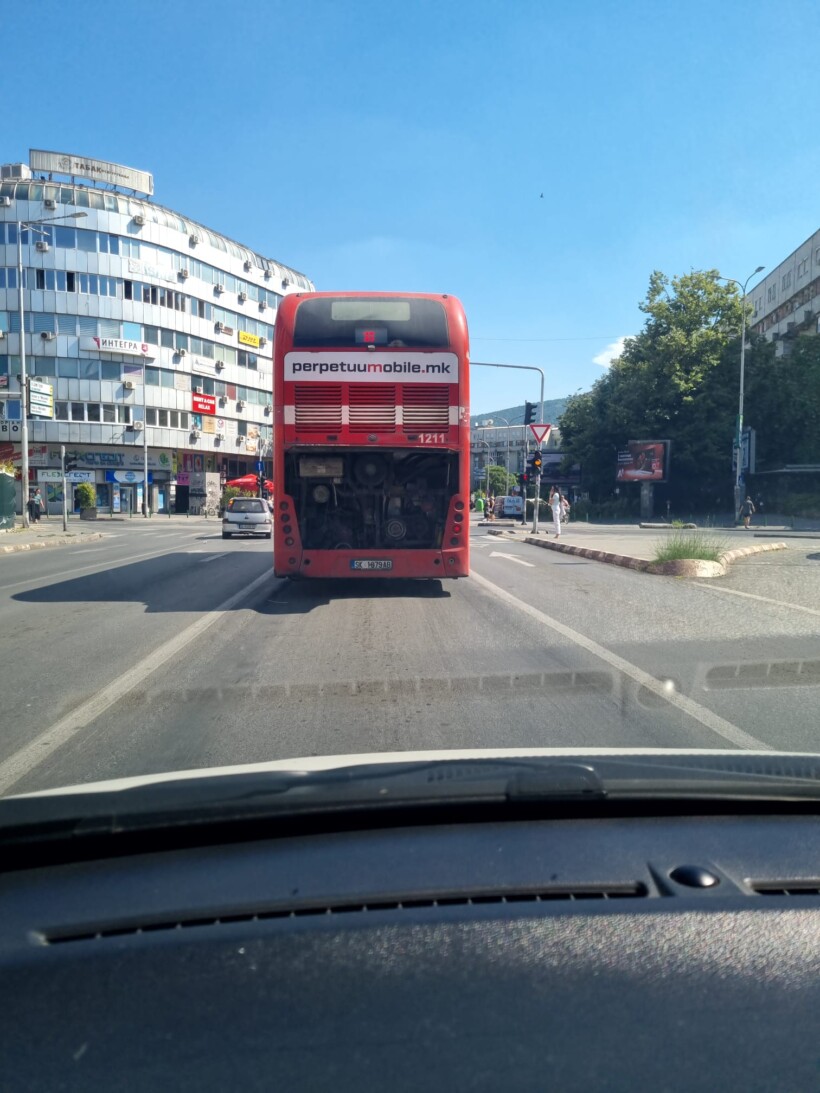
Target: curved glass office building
(144,330)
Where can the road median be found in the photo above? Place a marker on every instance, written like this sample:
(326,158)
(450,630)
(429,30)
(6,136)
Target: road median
(680,567)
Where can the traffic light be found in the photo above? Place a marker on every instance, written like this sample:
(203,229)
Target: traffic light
(523,479)
(534,462)
(529,413)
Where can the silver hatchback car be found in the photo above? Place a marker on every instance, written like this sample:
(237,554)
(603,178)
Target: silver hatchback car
(246,516)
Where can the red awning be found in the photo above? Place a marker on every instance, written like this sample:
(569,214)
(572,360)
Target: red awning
(249,482)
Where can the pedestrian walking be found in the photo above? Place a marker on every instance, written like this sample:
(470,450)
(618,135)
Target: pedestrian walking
(556,504)
(35,506)
(747,511)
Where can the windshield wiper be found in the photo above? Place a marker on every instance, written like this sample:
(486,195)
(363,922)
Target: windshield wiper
(551,782)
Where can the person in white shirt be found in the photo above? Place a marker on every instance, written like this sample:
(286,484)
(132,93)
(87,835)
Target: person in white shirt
(556,504)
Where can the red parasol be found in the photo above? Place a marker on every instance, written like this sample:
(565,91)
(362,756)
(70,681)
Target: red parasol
(250,482)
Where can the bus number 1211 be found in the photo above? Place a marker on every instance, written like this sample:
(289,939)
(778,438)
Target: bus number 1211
(433,438)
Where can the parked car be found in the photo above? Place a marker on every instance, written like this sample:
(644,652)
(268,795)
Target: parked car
(247,516)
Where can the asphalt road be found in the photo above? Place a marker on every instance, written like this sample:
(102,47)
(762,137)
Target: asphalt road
(163,648)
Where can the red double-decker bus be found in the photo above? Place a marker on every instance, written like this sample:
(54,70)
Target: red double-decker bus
(371,438)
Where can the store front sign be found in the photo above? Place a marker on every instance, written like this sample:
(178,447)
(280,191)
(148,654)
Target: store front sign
(118,345)
(249,339)
(127,477)
(71,476)
(203,404)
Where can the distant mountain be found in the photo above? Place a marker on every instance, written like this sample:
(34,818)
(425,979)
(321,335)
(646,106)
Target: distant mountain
(553,408)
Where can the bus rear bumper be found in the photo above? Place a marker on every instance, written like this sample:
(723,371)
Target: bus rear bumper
(357,564)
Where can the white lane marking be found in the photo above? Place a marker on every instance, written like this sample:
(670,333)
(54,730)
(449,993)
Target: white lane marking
(687,705)
(212,558)
(42,746)
(87,550)
(761,599)
(114,563)
(512,557)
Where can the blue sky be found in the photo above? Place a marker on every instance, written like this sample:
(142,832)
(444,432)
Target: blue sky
(382,145)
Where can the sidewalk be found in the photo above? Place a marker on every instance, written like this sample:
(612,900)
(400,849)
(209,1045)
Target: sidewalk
(633,547)
(48,533)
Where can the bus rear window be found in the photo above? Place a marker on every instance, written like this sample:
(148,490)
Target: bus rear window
(349,323)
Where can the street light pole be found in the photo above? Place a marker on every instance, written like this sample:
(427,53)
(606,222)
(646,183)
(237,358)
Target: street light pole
(145,506)
(29,225)
(23,381)
(739,434)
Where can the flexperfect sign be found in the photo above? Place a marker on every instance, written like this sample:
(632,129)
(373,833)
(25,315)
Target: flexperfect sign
(98,170)
(203,404)
(118,345)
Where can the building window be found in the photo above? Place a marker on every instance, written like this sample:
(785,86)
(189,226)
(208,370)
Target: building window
(173,418)
(78,411)
(162,417)
(110,370)
(61,411)
(93,411)
(183,419)
(124,415)
(109,413)
(150,417)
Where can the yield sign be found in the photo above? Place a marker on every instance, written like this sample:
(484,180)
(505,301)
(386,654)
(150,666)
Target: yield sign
(541,432)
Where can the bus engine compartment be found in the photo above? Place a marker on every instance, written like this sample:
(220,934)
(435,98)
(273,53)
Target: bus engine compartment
(366,499)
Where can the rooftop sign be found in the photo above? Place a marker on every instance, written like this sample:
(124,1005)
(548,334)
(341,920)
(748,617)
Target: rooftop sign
(98,170)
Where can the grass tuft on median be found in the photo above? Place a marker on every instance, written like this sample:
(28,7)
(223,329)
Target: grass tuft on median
(700,545)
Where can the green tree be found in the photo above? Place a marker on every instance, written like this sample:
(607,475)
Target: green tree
(783,401)
(672,381)
(500,482)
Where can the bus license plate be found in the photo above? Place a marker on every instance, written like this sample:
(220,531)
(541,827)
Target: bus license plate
(370,563)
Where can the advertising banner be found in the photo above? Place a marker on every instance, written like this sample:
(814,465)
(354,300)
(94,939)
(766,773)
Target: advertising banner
(98,170)
(643,461)
(320,366)
(203,404)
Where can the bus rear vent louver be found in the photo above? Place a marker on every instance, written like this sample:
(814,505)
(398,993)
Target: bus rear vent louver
(318,406)
(426,406)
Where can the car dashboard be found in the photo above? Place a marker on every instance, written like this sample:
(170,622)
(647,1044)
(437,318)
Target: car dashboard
(581,952)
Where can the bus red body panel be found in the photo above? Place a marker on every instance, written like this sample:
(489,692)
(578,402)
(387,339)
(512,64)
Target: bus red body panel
(371,437)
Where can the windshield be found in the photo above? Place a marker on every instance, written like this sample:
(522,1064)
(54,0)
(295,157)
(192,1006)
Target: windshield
(405,380)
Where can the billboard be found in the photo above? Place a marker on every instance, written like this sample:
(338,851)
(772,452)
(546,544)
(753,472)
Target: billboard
(643,461)
(98,170)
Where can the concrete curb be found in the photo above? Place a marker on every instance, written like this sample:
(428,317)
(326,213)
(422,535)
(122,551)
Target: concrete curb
(683,567)
(58,540)
(668,527)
